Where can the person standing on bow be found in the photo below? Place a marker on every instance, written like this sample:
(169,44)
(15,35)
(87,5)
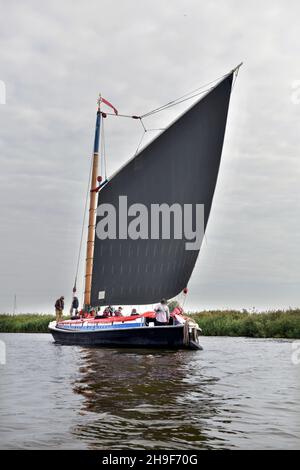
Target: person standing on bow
(162,313)
(59,308)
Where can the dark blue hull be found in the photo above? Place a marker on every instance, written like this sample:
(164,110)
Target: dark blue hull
(143,337)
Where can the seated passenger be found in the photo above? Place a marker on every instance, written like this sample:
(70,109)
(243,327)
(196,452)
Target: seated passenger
(118,313)
(111,311)
(106,312)
(98,315)
(133,312)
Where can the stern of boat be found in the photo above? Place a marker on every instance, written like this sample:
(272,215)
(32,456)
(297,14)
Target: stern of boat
(191,333)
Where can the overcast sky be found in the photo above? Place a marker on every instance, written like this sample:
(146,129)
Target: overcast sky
(55,58)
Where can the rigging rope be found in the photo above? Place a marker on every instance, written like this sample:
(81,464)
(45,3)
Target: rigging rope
(140,143)
(143,135)
(187,96)
(161,108)
(143,125)
(103,151)
(83,225)
(235,76)
(180,99)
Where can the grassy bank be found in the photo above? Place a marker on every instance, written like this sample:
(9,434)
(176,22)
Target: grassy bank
(277,324)
(25,323)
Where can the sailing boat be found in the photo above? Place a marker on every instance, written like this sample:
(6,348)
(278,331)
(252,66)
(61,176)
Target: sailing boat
(178,168)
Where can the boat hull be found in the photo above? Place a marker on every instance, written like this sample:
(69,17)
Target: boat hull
(170,337)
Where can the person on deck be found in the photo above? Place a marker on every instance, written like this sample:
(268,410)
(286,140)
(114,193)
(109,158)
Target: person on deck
(133,312)
(105,313)
(162,313)
(108,311)
(75,305)
(98,315)
(118,313)
(59,308)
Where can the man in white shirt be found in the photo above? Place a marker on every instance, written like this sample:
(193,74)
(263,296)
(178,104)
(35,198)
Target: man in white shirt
(162,313)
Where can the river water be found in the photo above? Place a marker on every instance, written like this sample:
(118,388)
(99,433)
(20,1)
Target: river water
(237,393)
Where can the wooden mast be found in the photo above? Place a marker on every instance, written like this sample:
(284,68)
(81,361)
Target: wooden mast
(92,214)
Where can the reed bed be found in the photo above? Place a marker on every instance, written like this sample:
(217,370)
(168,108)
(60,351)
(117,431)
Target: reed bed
(271,324)
(25,323)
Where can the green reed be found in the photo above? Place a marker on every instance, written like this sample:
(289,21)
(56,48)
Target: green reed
(271,324)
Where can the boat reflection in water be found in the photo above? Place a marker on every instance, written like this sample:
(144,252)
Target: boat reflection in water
(140,399)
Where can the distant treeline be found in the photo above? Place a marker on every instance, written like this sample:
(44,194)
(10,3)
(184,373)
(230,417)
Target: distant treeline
(275,324)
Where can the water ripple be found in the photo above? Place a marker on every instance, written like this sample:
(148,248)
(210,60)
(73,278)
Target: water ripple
(236,393)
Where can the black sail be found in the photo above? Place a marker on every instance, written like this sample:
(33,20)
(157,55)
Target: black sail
(180,166)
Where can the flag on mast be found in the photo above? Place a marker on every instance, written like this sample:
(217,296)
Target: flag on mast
(103,100)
